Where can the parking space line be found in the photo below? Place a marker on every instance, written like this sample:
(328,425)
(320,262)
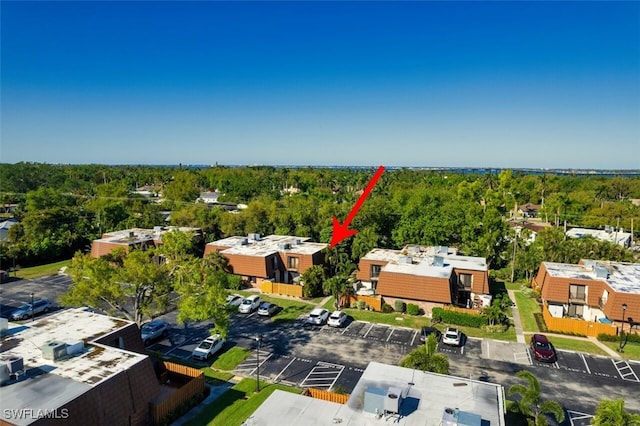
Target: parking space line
(347,327)
(625,366)
(585,362)
(390,334)
(262,362)
(282,371)
(370,328)
(336,379)
(414,337)
(577,415)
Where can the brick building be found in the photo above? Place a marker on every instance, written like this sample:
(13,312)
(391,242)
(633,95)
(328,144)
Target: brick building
(591,290)
(428,276)
(275,257)
(135,238)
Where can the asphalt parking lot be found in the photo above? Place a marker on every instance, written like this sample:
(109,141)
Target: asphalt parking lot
(16,293)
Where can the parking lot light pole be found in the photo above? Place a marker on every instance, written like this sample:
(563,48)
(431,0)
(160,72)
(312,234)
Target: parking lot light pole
(624,308)
(259,340)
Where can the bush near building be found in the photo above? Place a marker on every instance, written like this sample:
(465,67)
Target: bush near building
(458,318)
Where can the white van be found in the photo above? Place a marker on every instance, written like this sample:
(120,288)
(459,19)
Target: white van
(249,304)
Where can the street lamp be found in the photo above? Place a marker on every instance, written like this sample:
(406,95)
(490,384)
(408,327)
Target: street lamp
(624,308)
(32,306)
(259,340)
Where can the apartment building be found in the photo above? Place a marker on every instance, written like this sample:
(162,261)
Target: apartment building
(427,276)
(135,238)
(593,290)
(279,258)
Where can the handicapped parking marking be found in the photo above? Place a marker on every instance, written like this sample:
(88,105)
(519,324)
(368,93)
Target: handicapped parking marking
(625,371)
(323,375)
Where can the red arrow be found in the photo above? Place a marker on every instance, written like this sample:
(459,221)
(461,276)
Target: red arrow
(340,231)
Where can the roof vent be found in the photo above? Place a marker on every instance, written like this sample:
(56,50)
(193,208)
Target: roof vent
(284,246)
(132,234)
(244,242)
(54,350)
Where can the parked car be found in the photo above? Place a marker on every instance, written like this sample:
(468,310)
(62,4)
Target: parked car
(267,309)
(234,299)
(153,330)
(542,348)
(25,311)
(249,304)
(337,319)
(318,316)
(425,332)
(451,337)
(208,347)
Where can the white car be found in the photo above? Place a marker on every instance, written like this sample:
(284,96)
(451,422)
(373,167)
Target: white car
(249,304)
(318,316)
(337,319)
(208,347)
(451,337)
(234,299)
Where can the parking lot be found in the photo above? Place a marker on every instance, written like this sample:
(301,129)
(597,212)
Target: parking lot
(16,293)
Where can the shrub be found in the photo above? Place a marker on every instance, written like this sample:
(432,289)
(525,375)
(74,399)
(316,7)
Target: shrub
(354,305)
(458,318)
(400,306)
(629,337)
(413,309)
(361,304)
(386,308)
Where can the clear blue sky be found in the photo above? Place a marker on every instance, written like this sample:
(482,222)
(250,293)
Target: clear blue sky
(480,84)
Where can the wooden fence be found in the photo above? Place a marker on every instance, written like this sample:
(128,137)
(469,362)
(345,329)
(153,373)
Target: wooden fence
(326,396)
(279,288)
(192,387)
(576,326)
(374,302)
(475,311)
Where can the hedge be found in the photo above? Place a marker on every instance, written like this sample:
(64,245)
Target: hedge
(629,337)
(458,318)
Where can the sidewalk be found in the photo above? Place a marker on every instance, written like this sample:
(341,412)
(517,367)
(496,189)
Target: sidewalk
(516,318)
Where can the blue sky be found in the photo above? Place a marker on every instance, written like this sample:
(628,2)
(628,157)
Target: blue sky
(443,84)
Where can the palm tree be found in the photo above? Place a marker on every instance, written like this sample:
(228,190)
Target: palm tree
(336,286)
(426,358)
(612,413)
(530,404)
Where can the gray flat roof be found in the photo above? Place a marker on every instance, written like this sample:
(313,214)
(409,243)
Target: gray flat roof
(622,277)
(424,403)
(618,237)
(141,235)
(268,245)
(48,384)
(423,261)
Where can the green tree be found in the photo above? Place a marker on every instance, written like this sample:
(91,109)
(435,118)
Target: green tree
(137,286)
(530,404)
(611,412)
(202,295)
(183,187)
(312,279)
(427,358)
(338,286)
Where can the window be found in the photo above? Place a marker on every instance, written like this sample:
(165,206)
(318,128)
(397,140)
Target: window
(465,281)
(577,292)
(576,310)
(292,262)
(375,271)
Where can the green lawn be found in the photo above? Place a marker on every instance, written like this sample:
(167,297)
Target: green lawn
(527,306)
(238,403)
(231,358)
(631,349)
(291,309)
(574,345)
(216,377)
(42,270)
(330,305)
(509,335)
(393,318)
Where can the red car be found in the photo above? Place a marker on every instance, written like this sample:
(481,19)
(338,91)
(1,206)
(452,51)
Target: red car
(542,349)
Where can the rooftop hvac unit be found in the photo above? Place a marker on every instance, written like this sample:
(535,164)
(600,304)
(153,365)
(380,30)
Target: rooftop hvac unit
(157,228)
(74,347)
(438,261)
(244,242)
(284,246)
(589,263)
(13,363)
(443,249)
(132,234)
(413,250)
(254,237)
(374,400)
(54,350)
(297,241)
(406,260)
(608,229)
(601,271)
(392,401)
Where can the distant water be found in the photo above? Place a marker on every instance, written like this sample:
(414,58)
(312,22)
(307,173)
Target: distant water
(458,170)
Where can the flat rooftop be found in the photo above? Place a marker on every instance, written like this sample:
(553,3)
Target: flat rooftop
(426,396)
(266,246)
(141,235)
(618,237)
(422,261)
(48,384)
(622,277)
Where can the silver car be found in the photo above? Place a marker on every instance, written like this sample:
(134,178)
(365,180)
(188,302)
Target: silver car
(153,330)
(318,316)
(26,310)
